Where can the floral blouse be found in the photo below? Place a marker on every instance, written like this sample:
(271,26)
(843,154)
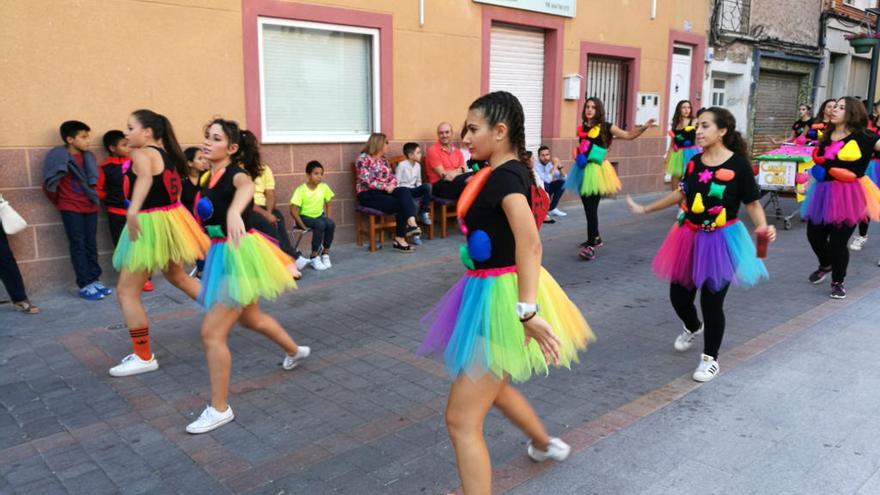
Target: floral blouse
(373,174)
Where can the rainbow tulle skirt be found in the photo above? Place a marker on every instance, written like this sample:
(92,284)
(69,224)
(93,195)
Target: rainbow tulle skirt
(841,203)
(678,159)
(873,171)
(239,276)
(169,234)
(692,257)
(593,180)
(474,328)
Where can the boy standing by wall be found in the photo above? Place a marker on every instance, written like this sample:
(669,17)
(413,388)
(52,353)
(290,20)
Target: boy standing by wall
(70,175)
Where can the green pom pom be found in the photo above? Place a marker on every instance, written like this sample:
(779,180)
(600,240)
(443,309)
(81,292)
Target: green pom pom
(465,257)
(215,231)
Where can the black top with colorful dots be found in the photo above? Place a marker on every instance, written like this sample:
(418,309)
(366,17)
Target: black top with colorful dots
(713,194)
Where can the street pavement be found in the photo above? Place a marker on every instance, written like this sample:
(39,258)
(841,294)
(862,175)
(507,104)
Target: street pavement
(791,412)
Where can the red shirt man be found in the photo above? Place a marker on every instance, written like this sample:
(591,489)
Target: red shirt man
(442,157)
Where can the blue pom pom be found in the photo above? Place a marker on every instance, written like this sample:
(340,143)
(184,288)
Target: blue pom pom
(205,208)
(687,144)
(812,134)
(581,160)
(127,203)
(818,172)
(479,246)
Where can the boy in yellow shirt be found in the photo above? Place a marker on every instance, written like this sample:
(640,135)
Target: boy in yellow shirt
(307,207)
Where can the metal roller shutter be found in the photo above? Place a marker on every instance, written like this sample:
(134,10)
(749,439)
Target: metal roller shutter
(516,64)
(776,104)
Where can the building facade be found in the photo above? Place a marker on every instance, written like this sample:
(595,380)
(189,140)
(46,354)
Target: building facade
(764,64)
(313,78)
(845,73)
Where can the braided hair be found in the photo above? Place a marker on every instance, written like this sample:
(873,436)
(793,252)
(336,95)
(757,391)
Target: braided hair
(501,106)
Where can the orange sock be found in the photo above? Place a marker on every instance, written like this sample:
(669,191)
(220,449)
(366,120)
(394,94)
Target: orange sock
(140,342)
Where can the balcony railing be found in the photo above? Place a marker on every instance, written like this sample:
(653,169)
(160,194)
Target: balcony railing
(732,16)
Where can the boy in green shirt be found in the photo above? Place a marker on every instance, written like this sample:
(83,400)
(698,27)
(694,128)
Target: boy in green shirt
(307,207)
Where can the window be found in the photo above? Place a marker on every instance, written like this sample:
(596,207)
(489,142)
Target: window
(719,87)
(319,82)
(608,79)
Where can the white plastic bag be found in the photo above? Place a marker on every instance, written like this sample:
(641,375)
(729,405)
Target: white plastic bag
(11,220)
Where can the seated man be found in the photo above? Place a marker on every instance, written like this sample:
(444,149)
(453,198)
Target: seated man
(445,165)
(550,172)
(268,220)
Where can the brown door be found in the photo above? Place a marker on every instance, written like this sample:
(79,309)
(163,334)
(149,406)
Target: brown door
(776,108)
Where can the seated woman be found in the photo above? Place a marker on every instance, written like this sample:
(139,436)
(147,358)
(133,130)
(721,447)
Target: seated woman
(377,189)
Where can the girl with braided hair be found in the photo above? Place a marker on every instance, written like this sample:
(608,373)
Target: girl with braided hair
(506,318)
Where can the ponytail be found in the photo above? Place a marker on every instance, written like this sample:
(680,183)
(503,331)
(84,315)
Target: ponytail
(248,154)
(732,139)
(163,132)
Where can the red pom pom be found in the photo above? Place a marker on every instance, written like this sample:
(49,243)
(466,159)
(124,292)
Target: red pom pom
(818,158)
(690,167)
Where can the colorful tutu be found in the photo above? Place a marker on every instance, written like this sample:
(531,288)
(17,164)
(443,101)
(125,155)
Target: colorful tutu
(873,171)
(692,257)
(841,203)
(679,158)
(168,234)
(593,180)
(475,329)
(237,277)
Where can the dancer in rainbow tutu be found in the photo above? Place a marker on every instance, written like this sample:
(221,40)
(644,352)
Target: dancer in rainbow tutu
(506,318)
(684,136)
(840,195)
(242,266)
(592,176)
(708,248)
(159,234)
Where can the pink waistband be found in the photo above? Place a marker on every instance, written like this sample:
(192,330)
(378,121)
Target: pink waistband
(490,272)
(169,207)
(221,240)
(699,227)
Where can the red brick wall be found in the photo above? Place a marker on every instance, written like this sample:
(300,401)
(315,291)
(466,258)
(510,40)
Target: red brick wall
(41,249)
(853,13)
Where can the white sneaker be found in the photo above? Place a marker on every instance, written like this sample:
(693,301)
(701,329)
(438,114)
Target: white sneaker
(210,419)
(707,369)
(133,365)
(557,212)
(686,338)
(556,450)
(317,264)
(858,242)
(301,263)
(290,362)
(325,258)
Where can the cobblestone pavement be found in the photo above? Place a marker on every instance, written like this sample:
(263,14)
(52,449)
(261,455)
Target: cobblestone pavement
(364,415)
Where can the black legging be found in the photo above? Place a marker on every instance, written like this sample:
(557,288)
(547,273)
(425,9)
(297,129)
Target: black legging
(399,202)
(863,229)
(9,273)
(591,209)
(829,244)
(712,305)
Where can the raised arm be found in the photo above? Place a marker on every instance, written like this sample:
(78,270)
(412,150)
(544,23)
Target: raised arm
(619,133)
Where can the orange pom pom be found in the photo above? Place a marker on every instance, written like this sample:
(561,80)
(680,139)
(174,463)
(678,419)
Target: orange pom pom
(842,174)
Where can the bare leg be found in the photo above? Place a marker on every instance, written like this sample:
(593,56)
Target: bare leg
(128,291)
(178,278)
(215,332)
(254,319)
(469,401)
(518,410)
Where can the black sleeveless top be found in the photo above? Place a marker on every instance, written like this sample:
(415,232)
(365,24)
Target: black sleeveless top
(164,186)
(599,134)
(685,137)
(220,196)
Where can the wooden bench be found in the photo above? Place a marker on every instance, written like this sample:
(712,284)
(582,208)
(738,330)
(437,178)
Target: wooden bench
(371,222)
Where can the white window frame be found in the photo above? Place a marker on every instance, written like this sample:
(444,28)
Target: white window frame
(270,137)
(719,91)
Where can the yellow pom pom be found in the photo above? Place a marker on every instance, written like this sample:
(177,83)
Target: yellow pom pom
(594,132)
(697,206)
(850,152)
(721,219)
(689,128)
